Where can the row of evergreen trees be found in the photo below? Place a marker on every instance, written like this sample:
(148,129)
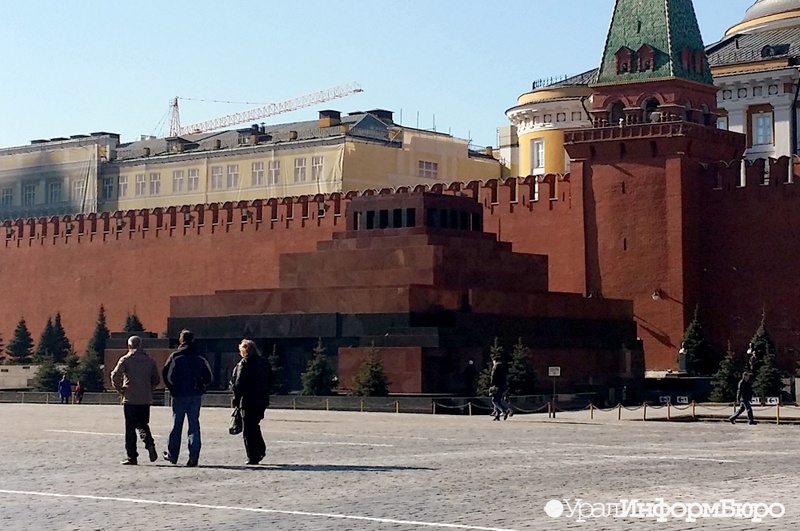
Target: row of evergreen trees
(320,380)
(702,360)
(56,356)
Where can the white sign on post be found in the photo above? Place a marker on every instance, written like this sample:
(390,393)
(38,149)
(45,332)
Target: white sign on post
(554,371)
(682,400)
(664,399)
(773,400)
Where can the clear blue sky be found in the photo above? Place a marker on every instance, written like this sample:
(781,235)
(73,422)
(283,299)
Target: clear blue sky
(73,67)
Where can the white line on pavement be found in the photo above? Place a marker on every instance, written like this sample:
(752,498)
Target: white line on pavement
(251,509)
(668,457)
(327,443)
(87,432)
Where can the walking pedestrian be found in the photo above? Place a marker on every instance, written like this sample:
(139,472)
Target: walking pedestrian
(64,389)
(251,382)
(79,392)
(499,380)
(186,374)
(135,377)
(744,394)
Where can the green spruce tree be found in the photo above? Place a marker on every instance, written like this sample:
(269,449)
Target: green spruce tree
(278,382)
(72,363)
(3,358)
(485,377)
(768,380)
(318,380)
(726,379)
(20,347)
(701,360)
(61,345)
(761,346)
(521,375)
(371,379)
(48,376)
(90,374)
(45,347)
(132,323)
(97,343)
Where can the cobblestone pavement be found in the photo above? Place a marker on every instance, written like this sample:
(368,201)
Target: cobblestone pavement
(379,471)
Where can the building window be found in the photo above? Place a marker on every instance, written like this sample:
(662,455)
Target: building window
(77,191)
(155,184)
(177,181)
(762,129)
(537,156)
(233,176)
(216,177)
(257,178)
(108,188)
(193,183)
(54,192)
(122,186)
(141,184)
(428,170)
(300,170)
(316,169)
(7,197)
(274,171)
(722,123)
(28,194)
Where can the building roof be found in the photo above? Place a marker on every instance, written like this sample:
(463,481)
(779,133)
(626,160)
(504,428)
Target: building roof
(765,8)
(666,26)
(373,125)
(754,47)
(585,78)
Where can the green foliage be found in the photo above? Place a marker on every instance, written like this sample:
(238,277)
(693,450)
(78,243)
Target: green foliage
(496,352)
(48,376)
(2,354)
(97,343)
(61,345)
(72,363)
(521,375)
(485,380)
(20,347)
(726,379)
(90,374)
(761,345)
(132,324)
(45,347)
(371,379)
(701,360)
(278,381)
(318,380)
(768,380)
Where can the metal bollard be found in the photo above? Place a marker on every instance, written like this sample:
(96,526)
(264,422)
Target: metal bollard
(619,411)
(591,411)
(469,408)
(397,406)
(644,411)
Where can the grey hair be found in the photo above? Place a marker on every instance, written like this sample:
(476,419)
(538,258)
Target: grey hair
(134,341)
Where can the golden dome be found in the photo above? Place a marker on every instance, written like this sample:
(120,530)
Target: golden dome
(768,14)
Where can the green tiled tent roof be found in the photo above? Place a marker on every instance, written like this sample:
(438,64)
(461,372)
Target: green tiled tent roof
(668,26)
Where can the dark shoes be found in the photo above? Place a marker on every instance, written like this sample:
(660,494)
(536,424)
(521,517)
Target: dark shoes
(752,422)
(191,463)
(732,421)
(256,461)
(167,457)
(129,461)
(153,454)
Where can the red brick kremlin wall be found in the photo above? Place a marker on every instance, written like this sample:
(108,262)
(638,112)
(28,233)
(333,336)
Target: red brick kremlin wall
(749,254)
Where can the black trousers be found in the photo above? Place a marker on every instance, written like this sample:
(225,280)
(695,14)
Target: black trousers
(251,431)
(137,418)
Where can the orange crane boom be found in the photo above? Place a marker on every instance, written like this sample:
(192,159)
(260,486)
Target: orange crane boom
(315,98)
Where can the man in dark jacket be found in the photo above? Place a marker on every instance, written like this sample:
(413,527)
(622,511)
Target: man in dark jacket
(186,374)
(499,382)
(744,394)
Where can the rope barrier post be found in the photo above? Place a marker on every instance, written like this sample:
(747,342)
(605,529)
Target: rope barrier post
(433,408)
(361,405)
(327,405)
(694,405)
(644,411)
(294,403)
(591,411)
(669,415)
(469,408)
(397,406)
(619,411)
(47,398)
(778,413)
(23,398)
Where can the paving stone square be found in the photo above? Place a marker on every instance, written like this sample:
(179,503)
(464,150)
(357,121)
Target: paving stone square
(59,470)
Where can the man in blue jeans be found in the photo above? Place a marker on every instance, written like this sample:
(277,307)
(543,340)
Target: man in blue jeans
(186,374)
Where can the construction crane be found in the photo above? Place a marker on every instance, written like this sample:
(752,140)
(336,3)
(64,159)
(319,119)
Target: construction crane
(340,91)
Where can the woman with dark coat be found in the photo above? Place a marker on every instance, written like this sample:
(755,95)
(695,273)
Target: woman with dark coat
(251,382)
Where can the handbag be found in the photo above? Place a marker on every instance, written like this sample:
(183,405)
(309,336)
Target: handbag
(236,422)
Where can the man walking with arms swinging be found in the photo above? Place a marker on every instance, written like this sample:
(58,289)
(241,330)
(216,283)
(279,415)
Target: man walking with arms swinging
(186,375)
(744,394)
